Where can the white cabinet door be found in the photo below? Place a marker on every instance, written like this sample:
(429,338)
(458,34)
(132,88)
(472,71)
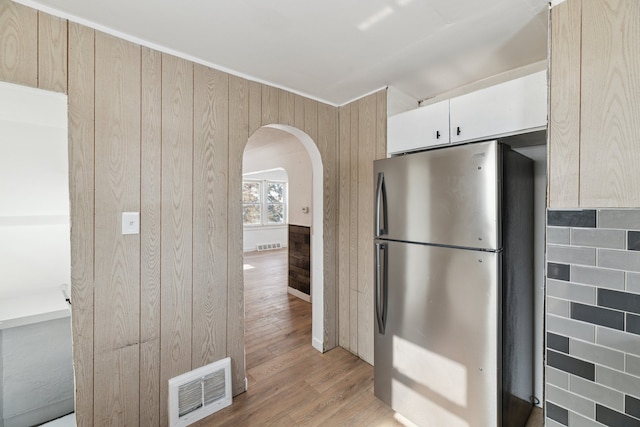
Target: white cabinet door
(420,128)
(509,108)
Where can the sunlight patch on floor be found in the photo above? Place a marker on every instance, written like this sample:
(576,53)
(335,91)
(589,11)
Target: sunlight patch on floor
(247,267)
(404,421)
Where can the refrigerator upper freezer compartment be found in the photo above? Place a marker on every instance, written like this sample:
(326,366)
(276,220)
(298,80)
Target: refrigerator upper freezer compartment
(444,197)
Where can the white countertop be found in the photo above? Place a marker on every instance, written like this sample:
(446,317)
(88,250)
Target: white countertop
(28,309)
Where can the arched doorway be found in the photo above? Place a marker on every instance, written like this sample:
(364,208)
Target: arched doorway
(317,262)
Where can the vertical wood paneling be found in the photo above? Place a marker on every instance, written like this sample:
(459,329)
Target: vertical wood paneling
(117,190)
(564,98)
(210,158)
(176,220)
(240,92)
(270,103)
(311,118)
(362,140)
(18,44)
(81,182)
(609,154)
(116,372)
(366,155)
(255,107)
(117,265)
(146,161)
(299,112)
(328,146)
(353,229)
(150,194)
(149,406)
(52,53)
(286,108)
(344,229)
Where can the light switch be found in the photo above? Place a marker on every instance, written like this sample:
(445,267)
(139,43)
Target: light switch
(130,222)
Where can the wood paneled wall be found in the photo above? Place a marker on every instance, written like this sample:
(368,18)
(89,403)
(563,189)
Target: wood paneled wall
(594,130)
(363,135)
(152,133)
(33,48)
(610,113)
(564,100)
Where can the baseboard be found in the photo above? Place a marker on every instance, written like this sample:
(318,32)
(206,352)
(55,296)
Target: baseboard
(317,344)
(297,293)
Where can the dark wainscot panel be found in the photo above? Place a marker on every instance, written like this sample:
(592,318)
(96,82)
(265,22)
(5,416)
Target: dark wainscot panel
(300,258)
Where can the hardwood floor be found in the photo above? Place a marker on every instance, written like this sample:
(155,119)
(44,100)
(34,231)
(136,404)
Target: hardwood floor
(291,383)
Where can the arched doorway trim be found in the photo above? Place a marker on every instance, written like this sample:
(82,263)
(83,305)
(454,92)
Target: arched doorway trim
(317,239)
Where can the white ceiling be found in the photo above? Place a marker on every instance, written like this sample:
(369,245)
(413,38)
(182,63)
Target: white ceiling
(332,50)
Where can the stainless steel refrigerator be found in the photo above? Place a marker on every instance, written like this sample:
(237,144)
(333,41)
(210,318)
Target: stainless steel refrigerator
(454,286)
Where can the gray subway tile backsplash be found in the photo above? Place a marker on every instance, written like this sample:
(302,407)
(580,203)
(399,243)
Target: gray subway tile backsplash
(557,307)
(632,365)
(622,219)
(571,328)
(633,241)
(600,277)
(557,342)
(559,235)
(620,381)
(620,260)
(612,418)
(571,291)
(618,340)
(571,365)
(558,271)
(632,406)
(597,354)
(599,238)
(632,324)
(595,308)
(552,423)
(624,301)
(571,218)
(598,316)
(572,254)
(557,413)
(633,282)
(557,377)
(571,401)
(576,420)
(597,393)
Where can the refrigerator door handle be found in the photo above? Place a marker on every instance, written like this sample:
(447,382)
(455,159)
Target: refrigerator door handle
(381,286)
(381,206)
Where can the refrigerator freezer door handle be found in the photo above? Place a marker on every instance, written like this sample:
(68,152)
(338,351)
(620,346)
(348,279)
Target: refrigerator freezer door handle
(381,206)
(381,286)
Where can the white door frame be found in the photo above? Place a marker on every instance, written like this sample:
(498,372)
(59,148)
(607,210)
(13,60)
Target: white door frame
(317,235)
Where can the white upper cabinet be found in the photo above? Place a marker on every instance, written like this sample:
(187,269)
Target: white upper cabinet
(509,108)
(419,128)
(512,107)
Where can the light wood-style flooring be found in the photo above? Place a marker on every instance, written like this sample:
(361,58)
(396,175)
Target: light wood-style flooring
(291,383)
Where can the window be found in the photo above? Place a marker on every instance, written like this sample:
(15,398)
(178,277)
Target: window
(251,202)
(264,202)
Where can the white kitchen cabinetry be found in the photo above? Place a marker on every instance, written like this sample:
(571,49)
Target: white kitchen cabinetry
(515,106)
(419,128)
(509,108)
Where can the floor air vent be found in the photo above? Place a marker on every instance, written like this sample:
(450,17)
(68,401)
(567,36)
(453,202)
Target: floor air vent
(199,393)
(269,246)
